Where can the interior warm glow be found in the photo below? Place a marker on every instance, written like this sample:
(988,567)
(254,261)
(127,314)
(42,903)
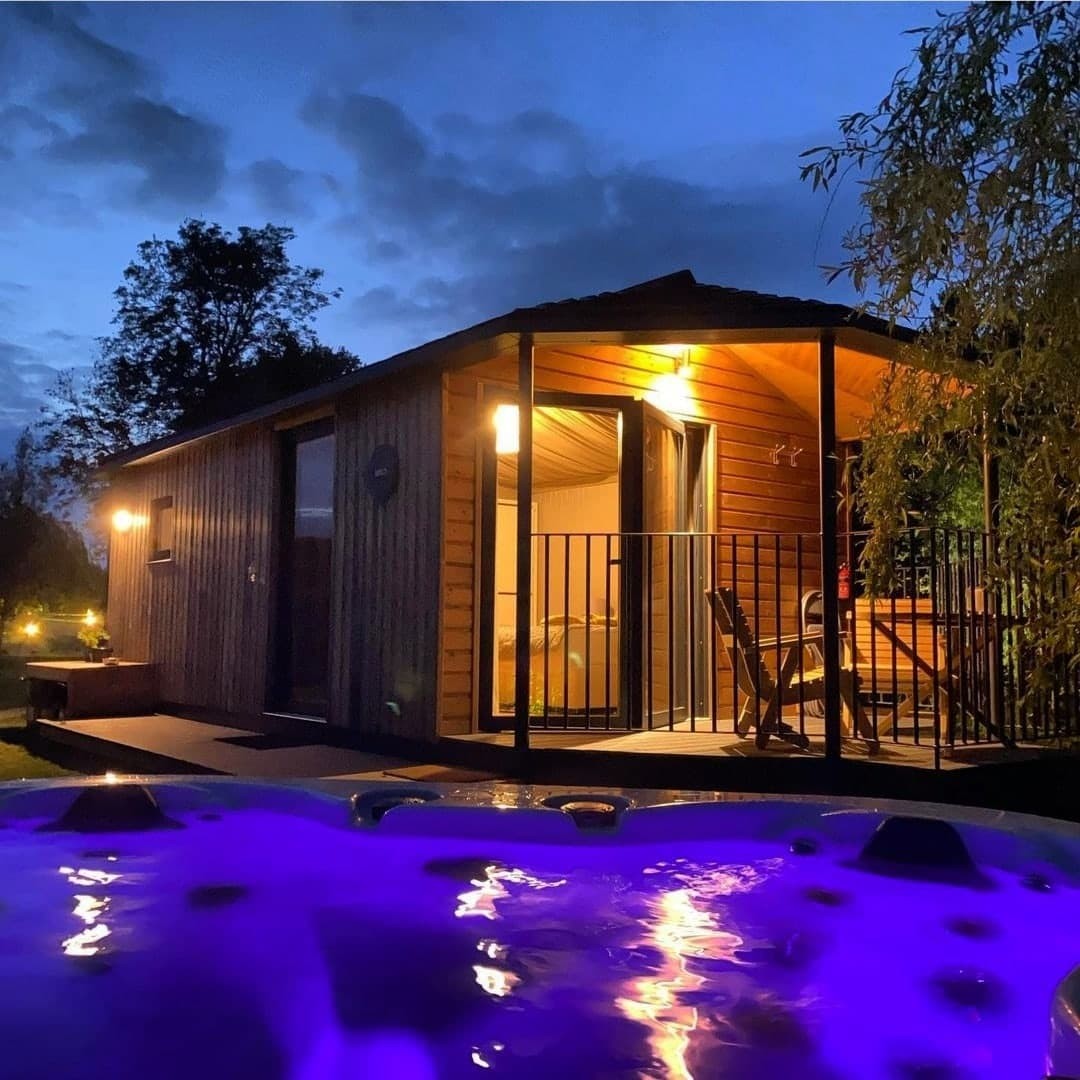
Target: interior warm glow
(671,393)
(123,520)
(506,429)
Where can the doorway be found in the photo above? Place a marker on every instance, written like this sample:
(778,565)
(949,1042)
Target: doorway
(300,680)
(612,620)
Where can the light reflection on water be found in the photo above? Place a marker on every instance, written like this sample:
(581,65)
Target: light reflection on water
(90,910)
(495,981)
(680,918)
(482,898)
(680,930)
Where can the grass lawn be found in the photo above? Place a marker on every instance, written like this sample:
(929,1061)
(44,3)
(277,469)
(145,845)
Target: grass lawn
(16,761)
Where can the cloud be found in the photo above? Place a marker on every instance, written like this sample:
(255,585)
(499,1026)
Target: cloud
(77,99)
(392,37)
(181,159)
(25,377)
(100,63)
(280,189)
(531,208)
(385,143)
(10,292)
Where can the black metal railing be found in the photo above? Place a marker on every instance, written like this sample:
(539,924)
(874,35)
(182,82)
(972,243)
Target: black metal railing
(722,632)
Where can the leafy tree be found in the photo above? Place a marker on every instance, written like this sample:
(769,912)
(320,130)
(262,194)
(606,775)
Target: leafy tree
(206,324)
(43,561)
(970,226)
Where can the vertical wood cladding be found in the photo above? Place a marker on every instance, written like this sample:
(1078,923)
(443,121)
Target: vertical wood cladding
(404,619)
(384,669)
(208,626)
(750,494)
(199,616)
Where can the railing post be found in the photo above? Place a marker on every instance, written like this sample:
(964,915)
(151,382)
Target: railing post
(991,478)
(523,614)
(830,602)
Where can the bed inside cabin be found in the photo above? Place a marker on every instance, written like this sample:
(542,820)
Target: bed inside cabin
(574,641)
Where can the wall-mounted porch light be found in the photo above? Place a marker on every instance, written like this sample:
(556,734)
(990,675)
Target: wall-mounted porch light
(31,630)
(506,420)
(91,618)
(680,356)
(670,394)
(124,520)
(670,391)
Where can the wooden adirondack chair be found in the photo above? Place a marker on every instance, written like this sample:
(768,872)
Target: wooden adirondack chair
(769,688)
(766,690)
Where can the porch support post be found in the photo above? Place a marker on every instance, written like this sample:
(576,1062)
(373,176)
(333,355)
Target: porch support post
(991,478)
(523,613)
(830,601)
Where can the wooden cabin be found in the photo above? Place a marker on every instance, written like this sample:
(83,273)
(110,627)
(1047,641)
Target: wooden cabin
(409,550)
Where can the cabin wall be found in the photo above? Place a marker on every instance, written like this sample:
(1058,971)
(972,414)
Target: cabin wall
(206,616)
(459,653)
(749,419)
(385,667)
(201,617)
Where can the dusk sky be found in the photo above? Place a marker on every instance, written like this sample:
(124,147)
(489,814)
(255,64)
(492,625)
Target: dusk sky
(442,163)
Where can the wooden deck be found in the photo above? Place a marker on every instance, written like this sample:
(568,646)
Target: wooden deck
(683,741)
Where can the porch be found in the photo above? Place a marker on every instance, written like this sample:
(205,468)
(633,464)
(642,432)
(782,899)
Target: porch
(647,528)
(690,643)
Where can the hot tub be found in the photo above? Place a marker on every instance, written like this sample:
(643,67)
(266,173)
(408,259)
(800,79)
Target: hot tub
(296,931)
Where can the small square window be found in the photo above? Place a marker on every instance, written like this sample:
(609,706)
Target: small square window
(161,529)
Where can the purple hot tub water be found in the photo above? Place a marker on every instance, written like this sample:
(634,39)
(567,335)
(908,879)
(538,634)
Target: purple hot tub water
(274,935)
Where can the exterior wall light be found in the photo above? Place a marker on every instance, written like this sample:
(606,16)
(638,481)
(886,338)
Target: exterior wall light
(31,630)
(506,420)
(124,520)
(670,394)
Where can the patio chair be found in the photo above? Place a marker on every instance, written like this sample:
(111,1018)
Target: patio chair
(898,685)
(790,685)
(766,691)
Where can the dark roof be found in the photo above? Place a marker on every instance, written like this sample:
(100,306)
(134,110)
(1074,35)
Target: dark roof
(675,302)
(680,301)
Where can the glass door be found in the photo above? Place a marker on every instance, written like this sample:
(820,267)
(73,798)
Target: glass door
(305,566)
(666,557)
(612,619)
(576,641)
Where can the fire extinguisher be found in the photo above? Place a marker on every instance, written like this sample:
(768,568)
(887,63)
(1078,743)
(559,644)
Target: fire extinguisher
(843,582)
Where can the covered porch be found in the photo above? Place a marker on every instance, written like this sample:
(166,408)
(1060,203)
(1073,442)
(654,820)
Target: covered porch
(661,545)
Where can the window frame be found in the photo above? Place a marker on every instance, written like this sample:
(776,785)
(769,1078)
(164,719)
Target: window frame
(161,554)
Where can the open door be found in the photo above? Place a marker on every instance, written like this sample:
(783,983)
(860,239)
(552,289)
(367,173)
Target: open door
(580,509)
(667,526)
(611,640)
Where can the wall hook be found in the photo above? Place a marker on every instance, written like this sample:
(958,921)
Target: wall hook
(776,452)
(793,453)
